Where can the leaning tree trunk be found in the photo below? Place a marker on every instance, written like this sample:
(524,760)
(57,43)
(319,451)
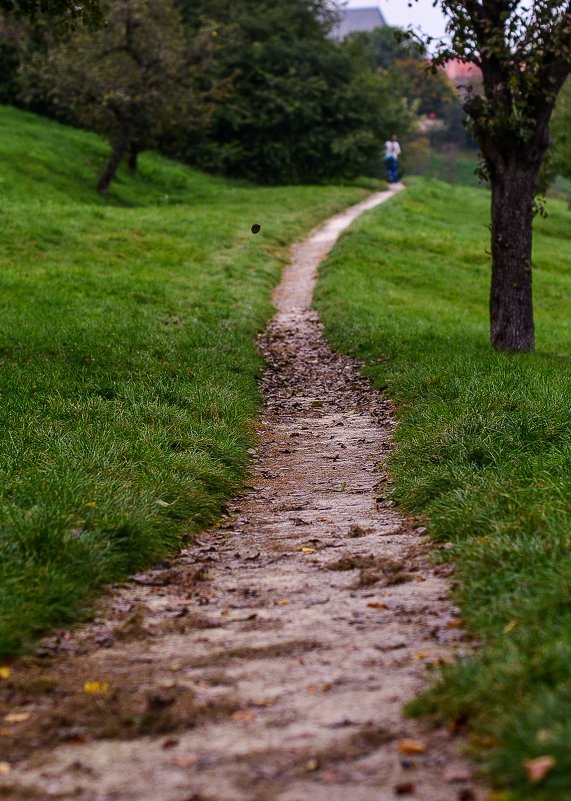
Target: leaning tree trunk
(133,157)
(511,306)
(118,153)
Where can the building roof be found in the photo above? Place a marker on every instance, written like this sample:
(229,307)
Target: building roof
(458,70)
(357,19)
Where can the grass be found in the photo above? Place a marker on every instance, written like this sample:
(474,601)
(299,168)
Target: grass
(453,166)
(128,381)
(483,454)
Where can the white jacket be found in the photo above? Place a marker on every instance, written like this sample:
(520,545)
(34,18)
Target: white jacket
(392,148)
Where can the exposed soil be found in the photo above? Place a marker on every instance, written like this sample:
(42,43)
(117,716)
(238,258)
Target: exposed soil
(271,661)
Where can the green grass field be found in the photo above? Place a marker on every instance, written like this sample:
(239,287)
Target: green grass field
(128,393)
(483,453)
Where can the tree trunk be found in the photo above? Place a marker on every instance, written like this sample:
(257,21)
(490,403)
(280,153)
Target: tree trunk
(120,148)
(511,306)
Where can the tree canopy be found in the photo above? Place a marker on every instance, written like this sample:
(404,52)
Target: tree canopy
(299,108)
(64,12)
(131,81)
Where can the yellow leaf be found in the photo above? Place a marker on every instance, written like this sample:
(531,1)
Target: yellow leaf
(16,717)
(5,768)
(312,765)
(419,578)
(90,503)
(243,716)
(284,602)
(412,747)
(308,550)
(95,687)
(510,626)
(422,655)
(538,768)
(263,701)
(4,672)
(376,605)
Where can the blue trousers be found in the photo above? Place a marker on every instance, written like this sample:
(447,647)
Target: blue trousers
(392,169)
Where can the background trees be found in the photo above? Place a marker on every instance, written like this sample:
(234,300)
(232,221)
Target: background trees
(131,81)
(63,12)
(298,107)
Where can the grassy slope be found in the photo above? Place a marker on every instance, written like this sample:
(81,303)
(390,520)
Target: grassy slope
(128,390)
(483,452)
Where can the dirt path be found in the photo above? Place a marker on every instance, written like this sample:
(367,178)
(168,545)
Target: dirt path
(271,661)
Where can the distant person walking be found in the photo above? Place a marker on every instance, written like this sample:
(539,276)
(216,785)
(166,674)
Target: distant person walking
(392,152)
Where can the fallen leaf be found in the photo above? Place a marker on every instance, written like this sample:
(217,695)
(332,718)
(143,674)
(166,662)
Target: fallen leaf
(419,578)
(466,794)
(5,768)
(16,717)
(263,701)
(308,550)
(225,612)
(284,602)
(243,716)
(538,768)
(376,605)
(90,503)
(95,687)
(4,672)
(411,747)
(184,762)
(312,765)
(422,655)
(170,743)
(510,626)
(455,624)
(404,788)
(499,795)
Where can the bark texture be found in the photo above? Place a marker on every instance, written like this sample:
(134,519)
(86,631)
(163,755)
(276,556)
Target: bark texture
(511,304)
(120,149)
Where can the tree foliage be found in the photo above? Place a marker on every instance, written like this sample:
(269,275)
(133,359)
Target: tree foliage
(65,13)
(299,108)
(130,81)
(524,52)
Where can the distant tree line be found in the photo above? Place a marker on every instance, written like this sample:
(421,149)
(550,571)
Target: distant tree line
(247,88)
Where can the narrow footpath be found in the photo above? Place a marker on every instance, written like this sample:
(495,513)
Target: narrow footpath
(270,661)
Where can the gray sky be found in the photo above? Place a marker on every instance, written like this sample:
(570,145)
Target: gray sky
(397,12)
